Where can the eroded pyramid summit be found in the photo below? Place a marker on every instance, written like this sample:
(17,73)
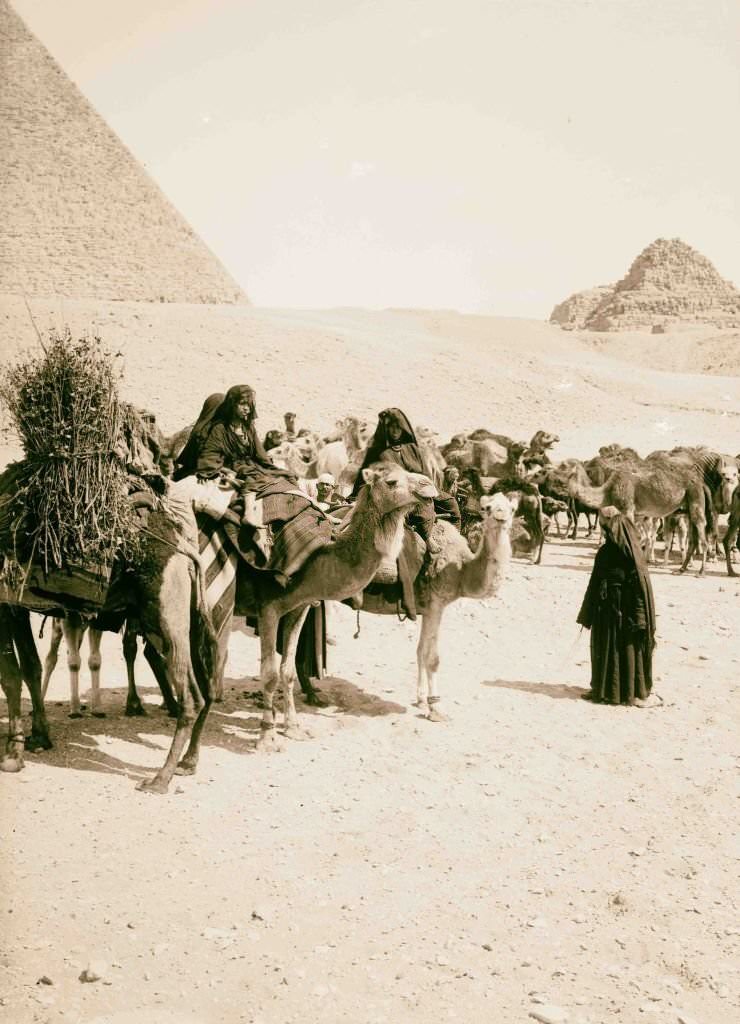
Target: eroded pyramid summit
(668,283)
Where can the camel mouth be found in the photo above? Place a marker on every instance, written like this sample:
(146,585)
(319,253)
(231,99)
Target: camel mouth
(423,487)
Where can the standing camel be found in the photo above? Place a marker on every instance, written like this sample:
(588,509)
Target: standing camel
(165,592)
(655,488)
(454,573)
(340,570)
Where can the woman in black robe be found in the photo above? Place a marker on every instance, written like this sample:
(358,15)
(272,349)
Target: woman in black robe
(226,445)
(395,441)
(619,609)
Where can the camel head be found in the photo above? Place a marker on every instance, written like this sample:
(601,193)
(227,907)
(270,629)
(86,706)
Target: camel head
(728,475)
(392,487)
(497,507)
(541,441)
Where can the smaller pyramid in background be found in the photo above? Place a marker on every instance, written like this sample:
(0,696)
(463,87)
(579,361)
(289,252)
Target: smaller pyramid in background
(669,282)
(79,216)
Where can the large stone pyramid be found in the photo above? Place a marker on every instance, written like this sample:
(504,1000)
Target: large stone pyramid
(668,283)
(79,216)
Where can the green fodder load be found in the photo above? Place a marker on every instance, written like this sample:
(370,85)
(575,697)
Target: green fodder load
(65,503)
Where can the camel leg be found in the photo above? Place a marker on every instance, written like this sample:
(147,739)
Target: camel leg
(292,625)
(30,666)
(173,608)
(94,661)
(189,762)
(268,627)
(158,667)
(427,655)
(223,653)
(50,662)
(11,681)
(130,644)
(733,528)
(74,631)
(697,533)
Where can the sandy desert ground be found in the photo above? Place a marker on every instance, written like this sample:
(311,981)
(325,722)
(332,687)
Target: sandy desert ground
(535,854)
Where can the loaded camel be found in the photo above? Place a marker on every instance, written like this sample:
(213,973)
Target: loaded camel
(165,591)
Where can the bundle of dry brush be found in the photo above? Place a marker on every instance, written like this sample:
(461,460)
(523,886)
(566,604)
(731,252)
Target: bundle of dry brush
(65,503)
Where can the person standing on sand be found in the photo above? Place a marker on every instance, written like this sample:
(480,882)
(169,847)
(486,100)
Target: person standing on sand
(619,609)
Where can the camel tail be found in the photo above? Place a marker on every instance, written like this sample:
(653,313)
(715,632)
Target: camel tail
(203,641)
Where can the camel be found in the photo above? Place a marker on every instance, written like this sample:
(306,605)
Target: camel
(72,629)
(490,458)
(537,452)
(165,592)
(654,489)
(454,572)
(610,457)
(433,459)
(335,572)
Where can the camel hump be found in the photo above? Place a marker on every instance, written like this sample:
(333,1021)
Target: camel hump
(447,546)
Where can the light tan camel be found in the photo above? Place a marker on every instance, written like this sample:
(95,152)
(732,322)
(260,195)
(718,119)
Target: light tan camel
(340,570)
(456,572)
(73,629)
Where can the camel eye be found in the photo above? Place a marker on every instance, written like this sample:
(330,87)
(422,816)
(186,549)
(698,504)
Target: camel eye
(392,483)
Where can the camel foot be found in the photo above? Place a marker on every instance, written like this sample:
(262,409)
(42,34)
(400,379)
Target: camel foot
(135,711)
(297,732)
(99,714)
(269,742)
(434,715)
(11,765)
(186,767)
(155,785)
(75,714)
(38,741)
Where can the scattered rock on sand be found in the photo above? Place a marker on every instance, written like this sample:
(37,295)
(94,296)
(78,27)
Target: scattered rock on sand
(549,1014)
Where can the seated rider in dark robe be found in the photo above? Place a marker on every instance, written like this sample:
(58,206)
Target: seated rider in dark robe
(395,441)
(227,447)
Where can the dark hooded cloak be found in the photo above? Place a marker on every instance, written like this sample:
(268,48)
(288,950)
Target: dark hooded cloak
(225,446)
(619,609)
(187,460)
(405,452)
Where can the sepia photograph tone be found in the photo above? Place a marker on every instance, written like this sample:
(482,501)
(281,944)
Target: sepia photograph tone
(369,511)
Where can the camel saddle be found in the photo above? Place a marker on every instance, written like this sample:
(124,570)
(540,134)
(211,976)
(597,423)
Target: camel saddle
(398,597)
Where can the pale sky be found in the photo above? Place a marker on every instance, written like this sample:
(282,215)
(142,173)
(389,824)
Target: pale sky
(491,156)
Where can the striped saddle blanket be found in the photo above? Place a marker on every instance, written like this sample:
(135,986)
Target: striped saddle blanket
(221,563)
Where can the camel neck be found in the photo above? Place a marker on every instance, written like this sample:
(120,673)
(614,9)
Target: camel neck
(482,575)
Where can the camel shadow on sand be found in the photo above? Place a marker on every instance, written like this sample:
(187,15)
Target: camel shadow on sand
(556,691)
(113,744)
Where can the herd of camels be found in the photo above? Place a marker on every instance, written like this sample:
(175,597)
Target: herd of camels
(508,491)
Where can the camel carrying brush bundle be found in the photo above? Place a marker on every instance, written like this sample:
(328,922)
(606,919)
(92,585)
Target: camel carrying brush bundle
(64,511)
